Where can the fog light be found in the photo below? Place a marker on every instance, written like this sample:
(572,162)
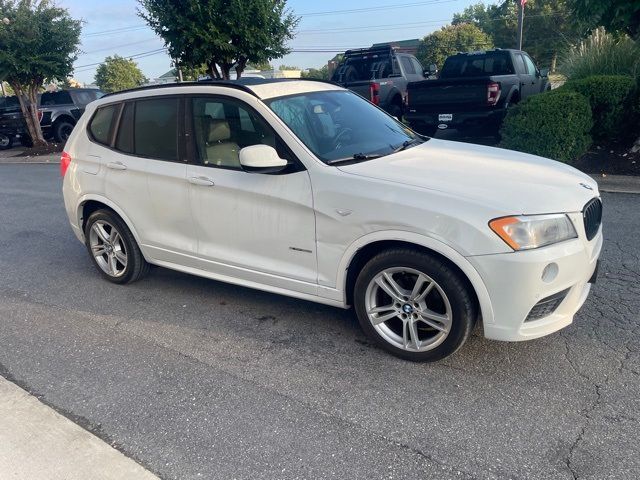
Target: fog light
(550,272)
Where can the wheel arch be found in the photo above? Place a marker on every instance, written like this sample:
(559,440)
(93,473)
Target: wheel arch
(514,93)
(63,116)
(90,203)
(367,247)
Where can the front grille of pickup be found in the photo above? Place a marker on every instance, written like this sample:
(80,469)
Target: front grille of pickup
(592,216)
(546,306)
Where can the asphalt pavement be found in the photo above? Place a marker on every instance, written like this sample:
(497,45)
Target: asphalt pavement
(194,378)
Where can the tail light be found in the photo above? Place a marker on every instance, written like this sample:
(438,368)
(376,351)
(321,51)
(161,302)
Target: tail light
(65,160)
(374,93)
(493,93)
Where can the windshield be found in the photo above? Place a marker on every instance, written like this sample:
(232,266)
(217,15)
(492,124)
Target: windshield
(476,65)
(338,125)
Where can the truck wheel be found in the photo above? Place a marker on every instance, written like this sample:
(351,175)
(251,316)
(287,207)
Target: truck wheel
(428,130)
(395,110)
(61,130)
(6,141)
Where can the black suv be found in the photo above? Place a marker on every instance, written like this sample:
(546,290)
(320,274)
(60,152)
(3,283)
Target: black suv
(58,112)
(61,110)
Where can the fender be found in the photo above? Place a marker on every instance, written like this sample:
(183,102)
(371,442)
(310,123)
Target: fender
(432,244)
(512,91)
(99,198)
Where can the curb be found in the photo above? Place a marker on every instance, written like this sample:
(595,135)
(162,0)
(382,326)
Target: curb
(618,183)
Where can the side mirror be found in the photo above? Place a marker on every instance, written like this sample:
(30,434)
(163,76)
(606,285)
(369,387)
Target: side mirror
(261,159)
(431,71)
(544,72)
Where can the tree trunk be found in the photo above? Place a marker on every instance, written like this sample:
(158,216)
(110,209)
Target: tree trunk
(554,61)
(226,70)
(29,105)
(242,63)
(213,69)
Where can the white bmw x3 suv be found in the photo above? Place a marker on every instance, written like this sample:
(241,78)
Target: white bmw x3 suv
(306,189)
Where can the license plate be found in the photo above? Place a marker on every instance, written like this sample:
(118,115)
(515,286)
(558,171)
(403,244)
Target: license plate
(594,277)
(445,117)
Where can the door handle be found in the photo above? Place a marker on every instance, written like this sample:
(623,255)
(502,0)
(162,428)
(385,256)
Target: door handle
(116,166)
(202,181)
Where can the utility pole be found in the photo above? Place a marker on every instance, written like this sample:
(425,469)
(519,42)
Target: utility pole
(520,22)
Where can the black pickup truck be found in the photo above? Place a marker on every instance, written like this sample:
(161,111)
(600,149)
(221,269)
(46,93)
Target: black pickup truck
(379,74)
(474,90)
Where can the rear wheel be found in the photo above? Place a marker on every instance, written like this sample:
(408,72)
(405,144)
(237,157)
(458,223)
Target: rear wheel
(62,130)
(395,110)
(113,249)
(414,305)
(6,141)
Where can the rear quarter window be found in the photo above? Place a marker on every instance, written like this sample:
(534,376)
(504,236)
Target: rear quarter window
(100,125)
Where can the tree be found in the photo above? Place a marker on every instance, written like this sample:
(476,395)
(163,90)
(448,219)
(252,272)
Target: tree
(117,73)
(38,42)
(288,67)
(614,15)
(223,34)
(321,73)
(549,26)
(463,37)
(262,66)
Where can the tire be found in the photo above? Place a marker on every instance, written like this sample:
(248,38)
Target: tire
(61,130)
(395,110)
(447,303)
(130,266)
(6,141)
(427,130)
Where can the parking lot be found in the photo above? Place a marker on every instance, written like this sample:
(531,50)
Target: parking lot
(198,379)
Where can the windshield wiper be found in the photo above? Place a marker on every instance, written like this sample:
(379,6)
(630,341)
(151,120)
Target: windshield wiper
(407,144)
(357,157)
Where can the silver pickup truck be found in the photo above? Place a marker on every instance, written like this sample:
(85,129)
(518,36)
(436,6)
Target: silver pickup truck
(381,75)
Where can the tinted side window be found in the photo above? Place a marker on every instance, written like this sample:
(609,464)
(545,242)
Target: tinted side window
(417,66)
(156,128)
(124,141)
(100,125)
(531,68)
(83,97)
(517,58)
(56,98)
(407,65)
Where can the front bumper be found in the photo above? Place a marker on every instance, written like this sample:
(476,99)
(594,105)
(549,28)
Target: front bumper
(515,285)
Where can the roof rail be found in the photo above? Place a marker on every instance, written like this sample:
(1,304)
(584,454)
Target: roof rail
(222,83)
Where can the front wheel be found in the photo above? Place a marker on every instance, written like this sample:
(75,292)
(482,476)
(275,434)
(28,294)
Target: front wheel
(414,305)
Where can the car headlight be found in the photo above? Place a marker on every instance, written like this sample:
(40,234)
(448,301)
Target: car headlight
(533,231)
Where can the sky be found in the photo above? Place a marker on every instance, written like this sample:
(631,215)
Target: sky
(332,26)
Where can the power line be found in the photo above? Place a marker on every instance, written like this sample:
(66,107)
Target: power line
(374,9)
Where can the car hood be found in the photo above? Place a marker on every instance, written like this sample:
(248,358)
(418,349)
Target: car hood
(514,182)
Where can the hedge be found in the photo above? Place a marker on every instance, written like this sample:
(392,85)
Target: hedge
(555,124)
(612,99)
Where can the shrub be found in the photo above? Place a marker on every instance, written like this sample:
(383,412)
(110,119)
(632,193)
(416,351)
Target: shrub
(612,103)
(554,124)
(602,54)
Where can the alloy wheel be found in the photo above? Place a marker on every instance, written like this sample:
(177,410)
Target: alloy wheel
(408,309)
(108,248)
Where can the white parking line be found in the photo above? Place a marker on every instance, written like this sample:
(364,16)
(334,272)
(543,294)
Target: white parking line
(37,443)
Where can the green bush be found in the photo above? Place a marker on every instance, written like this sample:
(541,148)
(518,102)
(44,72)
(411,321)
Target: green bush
(554,125)
(602,54)
(612,103)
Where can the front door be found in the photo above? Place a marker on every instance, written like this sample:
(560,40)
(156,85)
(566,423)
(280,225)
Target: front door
(254,226)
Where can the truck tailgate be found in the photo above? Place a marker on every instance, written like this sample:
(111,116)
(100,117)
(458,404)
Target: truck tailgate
(459,94)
